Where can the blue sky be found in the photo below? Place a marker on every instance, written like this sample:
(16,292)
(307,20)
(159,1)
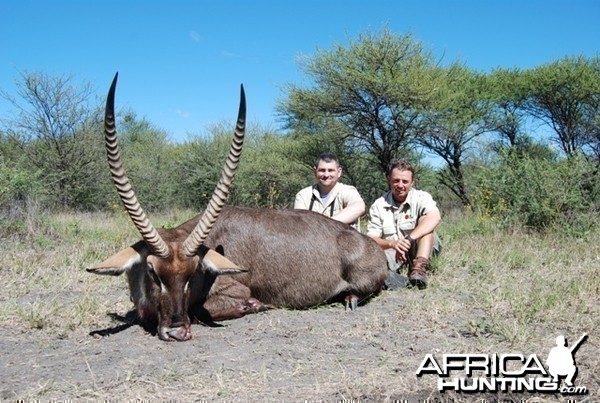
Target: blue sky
(181,63)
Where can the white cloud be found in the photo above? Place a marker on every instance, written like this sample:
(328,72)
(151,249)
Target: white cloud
(229,54)
(183,114)
(196,37)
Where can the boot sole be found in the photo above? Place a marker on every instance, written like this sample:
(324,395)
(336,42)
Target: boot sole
(418,281)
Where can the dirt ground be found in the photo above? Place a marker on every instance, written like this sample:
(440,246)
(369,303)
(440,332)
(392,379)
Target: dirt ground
(322,354)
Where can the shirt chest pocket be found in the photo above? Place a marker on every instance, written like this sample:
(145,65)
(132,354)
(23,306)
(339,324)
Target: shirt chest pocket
(407,223)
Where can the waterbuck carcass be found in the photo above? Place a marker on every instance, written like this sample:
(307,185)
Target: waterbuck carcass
(283,258)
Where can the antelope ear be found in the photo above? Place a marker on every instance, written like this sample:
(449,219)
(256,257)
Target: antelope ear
(218,264)
(122,261)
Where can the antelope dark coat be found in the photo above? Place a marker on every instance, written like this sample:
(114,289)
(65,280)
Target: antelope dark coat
(230,261)
(297,258)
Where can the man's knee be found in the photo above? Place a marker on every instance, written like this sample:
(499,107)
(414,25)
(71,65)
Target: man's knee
(393,265)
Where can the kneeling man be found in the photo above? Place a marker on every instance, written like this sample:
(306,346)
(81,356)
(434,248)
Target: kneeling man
(403,223)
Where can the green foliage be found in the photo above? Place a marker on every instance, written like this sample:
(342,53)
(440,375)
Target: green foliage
(455,119)
(538,193)
(21,192)
(506,92)
(362,171)
(270,176)
(53,136)
(18,185)
(198,167)
(375,90)
(565,95)
(381,97)
(150,162)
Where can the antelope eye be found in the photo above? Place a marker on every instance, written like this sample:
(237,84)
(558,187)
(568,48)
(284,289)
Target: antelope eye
(153,274)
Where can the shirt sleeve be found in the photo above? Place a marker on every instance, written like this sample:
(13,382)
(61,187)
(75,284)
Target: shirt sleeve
(349,195)
(426,204)
(299,202)
(303,198)
(375,224)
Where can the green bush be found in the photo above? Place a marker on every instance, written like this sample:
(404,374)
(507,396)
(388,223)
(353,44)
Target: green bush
(18,185)
(21,194)
(539,192)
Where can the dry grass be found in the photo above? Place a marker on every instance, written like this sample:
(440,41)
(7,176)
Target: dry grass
(492,292)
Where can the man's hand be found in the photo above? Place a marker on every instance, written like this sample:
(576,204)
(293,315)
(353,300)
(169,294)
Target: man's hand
(402,247)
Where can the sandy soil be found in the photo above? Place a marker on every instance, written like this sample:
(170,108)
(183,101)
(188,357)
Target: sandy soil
(322,354)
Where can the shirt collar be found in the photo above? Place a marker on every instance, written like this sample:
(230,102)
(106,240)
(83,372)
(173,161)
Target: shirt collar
(389,199)
(333,191)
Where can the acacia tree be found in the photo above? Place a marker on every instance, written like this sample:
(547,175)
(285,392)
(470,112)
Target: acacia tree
(454,121)
(376,90)
(506,91)
(594,130)
(57,130)
(565,95)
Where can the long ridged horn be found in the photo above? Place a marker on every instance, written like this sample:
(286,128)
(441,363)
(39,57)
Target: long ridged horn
(217,200)
(126,193)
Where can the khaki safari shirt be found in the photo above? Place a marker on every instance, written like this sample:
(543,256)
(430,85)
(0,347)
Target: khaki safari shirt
(391,221)
(340,196)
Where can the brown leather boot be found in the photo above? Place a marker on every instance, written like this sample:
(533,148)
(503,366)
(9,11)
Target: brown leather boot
(417,273)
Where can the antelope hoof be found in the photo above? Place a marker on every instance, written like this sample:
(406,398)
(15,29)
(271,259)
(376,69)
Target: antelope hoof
(253,305)
(351,302)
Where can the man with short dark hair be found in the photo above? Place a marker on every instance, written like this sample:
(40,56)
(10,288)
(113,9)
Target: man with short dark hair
(403,223)
(329,196)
